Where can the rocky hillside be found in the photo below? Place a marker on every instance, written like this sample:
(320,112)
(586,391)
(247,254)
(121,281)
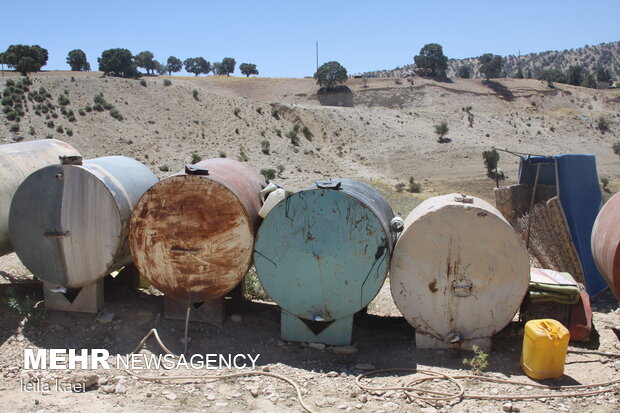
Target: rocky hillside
(385,133)
(606,55)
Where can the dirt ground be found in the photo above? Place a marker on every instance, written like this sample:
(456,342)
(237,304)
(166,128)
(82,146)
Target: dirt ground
(385,136)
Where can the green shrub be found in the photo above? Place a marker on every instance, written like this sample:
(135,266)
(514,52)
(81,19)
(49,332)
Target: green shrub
(81,112)
(279,132)
(99,99)
(69,132)
(491,158)
(31,131)
(400,187)
(275,114)
(15,127)
(252,288)
(236,111)
(164,168)
(414,187)
(66,92)
(71,118)
(196,158)
(259,110)
(7,91)
(98,107)
(116,114)
(12,115)
(222,154)
(50,124)
(479,362)
(63,100)
(441,130)
(280,169)
(143,82)
(7,109)
(195,94)
(60,129)
(264,145)
(108,106)
(292,135)
(307,133)
(7,100)
(602,124)
(42,91)
(296,127)
(48,136)
(167,82)
(242,157)
(10,82)
(616,148)
(54,115)
(26,305)
(88,108)
(269,174)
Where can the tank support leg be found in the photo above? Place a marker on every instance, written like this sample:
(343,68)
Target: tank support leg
(337,332)
(211,312)
(87,299)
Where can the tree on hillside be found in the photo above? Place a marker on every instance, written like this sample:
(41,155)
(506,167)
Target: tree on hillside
(173,65)
(25,59)
(159,68)
(228,64)
(330,74)
(588,80)
(491,65)
(76,59)
(553,75)
(146,60)
(575,75)
(441,130)
(197,65)
(603,74)
(464,72)
(431,61)
(248,69)
(117,62)
(218,68)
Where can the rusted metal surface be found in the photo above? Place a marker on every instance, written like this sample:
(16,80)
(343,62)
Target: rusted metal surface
(17,161)
(69,223)
(459,272)
(192,235)
(606,243)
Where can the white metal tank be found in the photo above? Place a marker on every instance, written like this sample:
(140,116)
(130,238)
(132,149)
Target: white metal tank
(459,272)
(17,161)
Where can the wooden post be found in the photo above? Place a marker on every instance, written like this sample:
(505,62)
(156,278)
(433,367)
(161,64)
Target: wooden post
(529,218)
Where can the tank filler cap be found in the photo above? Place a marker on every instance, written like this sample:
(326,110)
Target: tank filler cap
(331,184)
(70,160)
(195,170)
(397,224)
(464,199)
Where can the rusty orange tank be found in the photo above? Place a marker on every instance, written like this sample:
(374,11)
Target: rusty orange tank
(192,234)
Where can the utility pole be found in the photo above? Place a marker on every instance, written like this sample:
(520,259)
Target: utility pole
(317,55)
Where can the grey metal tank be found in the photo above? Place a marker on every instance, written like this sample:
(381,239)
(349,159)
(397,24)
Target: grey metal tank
(69,223)
(17,161)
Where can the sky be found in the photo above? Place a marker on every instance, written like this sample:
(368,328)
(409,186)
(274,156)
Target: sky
(280,36)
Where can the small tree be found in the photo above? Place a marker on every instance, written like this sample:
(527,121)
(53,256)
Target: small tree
(441,130)
(431,61)
(330,74)
(228,65)
(25,59)
(491,65)
(464,72)
(117,62)
(197,65)
(248,69)
(173,65)
(146,60)
(491,158)
(77,60)
(603,75)
(575,75)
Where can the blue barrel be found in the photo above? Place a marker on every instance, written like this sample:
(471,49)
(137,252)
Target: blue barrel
(323,254)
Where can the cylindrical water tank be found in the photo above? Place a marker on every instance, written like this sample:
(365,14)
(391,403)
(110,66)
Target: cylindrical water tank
(606,243)
(459,272)
(192,233)
(323,254)
(69,223)
(17,161)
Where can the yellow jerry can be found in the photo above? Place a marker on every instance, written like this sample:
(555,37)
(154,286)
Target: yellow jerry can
(545,343)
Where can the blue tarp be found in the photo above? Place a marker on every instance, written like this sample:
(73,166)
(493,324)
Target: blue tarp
(576,179)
